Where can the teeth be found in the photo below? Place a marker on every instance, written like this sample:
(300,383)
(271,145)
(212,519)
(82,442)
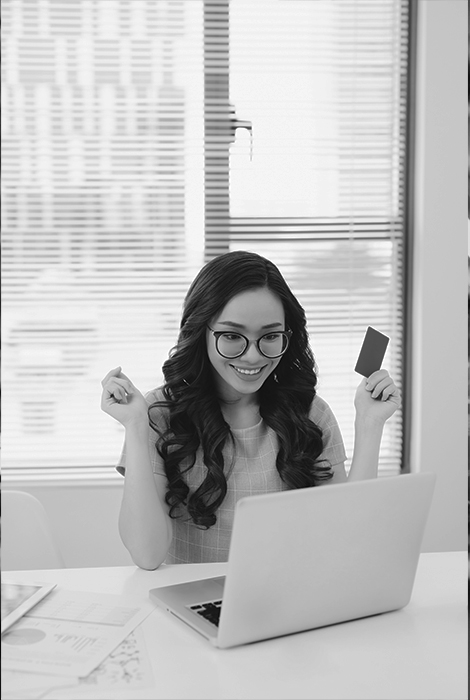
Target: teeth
(247,371)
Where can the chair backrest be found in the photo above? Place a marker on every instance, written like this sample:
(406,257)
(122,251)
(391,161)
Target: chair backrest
(27,541)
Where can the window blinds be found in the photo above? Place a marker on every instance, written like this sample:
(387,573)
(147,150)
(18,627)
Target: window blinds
(140,139)
(316,168)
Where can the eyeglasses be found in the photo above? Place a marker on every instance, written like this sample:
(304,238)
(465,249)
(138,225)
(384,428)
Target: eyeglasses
(231,345)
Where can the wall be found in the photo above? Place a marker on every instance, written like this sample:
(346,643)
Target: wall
(439,327)
(84,517)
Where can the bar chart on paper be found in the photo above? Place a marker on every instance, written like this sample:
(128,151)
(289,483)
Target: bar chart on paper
(70,633)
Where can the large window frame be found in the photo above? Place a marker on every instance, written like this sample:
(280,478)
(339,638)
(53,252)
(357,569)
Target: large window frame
(220,126)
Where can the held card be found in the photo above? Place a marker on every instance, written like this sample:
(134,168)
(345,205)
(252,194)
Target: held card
(372,352)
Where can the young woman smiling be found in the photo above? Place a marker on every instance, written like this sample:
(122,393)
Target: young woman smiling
(237,415)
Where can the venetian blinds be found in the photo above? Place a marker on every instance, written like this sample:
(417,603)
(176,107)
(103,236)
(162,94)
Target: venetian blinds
(306,163)
(142,137)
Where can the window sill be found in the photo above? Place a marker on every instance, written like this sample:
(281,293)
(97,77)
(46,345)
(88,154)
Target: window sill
(61,476)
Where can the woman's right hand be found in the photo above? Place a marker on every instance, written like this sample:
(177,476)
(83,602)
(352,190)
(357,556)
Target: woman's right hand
(122,400)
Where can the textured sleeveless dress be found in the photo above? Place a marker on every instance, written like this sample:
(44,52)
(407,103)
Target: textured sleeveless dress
(253,472)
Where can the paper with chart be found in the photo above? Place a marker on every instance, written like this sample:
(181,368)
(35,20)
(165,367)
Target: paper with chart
(128,668)
(70,632)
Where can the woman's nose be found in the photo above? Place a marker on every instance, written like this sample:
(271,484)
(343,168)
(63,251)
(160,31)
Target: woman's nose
(253,354)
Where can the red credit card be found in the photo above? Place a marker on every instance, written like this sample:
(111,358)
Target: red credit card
(372,352)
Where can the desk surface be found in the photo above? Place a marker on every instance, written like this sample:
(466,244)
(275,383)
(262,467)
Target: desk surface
(419,652)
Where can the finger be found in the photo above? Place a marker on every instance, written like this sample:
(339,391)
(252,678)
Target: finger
(108,400)
(112,373)
(365,385)
(126,384)
(390,390)
(124,379)
(120,394)
(124,376)
(380,387)
(394,396)
(377,376)
(113,393)
(116,392)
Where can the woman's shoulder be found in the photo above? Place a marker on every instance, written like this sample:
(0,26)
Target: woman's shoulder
(154,395)
(320,412)
(333,444)
(158,413)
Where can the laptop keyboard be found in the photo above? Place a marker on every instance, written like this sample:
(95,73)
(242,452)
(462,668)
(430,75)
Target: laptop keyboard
(209,611)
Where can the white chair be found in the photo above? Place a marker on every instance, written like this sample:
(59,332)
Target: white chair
(27,541)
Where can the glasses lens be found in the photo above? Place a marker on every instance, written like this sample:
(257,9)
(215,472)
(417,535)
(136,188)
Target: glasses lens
(231,344)
(273,344)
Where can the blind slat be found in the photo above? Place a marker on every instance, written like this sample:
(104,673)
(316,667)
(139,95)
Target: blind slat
(123,170)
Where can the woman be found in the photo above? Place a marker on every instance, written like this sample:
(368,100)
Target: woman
(238,414)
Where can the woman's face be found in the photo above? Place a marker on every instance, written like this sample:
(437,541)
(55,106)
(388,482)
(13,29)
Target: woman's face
(253,313)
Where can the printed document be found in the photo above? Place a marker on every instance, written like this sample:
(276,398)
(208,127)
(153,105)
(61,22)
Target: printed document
(70,633)
(127,668)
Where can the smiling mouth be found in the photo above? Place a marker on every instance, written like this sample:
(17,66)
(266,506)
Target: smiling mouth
(248,372)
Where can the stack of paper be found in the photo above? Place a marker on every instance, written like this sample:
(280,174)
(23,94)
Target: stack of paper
(73,640)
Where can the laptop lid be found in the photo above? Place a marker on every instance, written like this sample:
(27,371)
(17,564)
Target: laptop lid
(312,557)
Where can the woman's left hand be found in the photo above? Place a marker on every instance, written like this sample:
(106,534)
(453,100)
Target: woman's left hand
(377,397)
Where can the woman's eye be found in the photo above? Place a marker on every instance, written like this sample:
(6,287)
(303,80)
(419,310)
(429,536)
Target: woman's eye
(272,337)
(231,336)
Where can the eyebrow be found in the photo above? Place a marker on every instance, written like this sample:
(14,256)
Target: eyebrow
(240,325)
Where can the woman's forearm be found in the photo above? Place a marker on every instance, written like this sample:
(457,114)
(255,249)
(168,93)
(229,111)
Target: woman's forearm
(144,524)
(367,439)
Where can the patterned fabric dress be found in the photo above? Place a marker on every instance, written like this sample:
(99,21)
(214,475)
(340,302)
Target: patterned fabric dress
(253,472)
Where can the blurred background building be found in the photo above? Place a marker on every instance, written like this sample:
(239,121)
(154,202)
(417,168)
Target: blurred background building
(142,137)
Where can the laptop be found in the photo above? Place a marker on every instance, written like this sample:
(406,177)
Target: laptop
(307,558)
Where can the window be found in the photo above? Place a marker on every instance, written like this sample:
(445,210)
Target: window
(141,138)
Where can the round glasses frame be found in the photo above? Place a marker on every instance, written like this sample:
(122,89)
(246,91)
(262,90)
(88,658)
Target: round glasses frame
(287,334)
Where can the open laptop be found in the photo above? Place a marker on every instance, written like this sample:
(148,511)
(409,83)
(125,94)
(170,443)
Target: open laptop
(310,557)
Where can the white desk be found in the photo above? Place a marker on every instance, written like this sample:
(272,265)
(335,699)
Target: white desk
(418,652)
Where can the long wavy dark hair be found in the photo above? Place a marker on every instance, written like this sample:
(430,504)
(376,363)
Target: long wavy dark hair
(194,416)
